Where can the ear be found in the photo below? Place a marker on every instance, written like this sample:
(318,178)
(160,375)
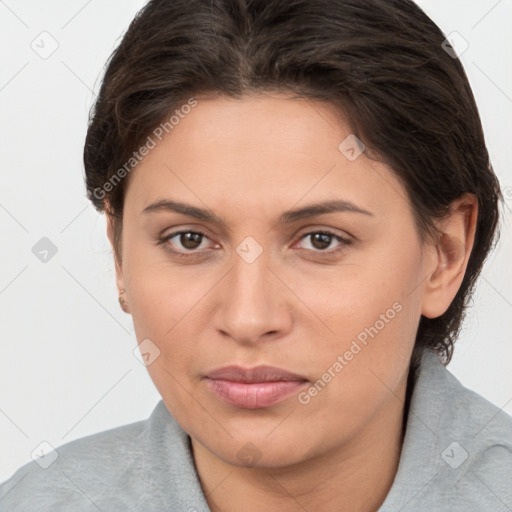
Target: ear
(450,255)
(118,266)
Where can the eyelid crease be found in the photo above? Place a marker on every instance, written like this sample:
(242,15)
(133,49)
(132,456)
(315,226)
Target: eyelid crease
(194,252)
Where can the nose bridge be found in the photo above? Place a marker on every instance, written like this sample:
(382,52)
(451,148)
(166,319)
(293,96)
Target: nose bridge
(252,304)
(250,279)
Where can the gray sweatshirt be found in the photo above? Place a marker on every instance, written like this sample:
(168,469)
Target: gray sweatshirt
(456,456)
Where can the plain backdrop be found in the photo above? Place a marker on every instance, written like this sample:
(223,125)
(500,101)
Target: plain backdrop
(67,367)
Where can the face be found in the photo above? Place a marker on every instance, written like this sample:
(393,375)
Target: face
(329,299)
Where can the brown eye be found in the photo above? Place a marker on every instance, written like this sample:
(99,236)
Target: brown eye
(185,243)
(190,239)
(322,240)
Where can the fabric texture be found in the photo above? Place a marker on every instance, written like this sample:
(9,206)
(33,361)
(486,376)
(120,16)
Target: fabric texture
(456,456)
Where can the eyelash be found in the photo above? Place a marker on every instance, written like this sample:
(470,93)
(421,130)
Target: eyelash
(344,243)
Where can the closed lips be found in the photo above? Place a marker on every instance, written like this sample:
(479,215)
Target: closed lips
(257,374)
(254,388)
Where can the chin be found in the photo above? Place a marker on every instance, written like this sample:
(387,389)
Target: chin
(259,451)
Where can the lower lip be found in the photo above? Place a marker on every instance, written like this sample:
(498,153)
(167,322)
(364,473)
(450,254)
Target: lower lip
(254,395)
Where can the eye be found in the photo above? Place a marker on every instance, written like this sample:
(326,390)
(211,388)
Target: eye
(321,240)
(190,242)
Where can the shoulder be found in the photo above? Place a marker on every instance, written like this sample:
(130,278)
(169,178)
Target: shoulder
(111,470)
(457,451)
(468,417)
(478,451)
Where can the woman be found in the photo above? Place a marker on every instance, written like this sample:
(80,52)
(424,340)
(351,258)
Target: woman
(299,200)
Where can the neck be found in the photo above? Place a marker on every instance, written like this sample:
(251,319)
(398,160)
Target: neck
(357,476)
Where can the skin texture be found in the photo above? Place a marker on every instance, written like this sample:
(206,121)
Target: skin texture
(294,307)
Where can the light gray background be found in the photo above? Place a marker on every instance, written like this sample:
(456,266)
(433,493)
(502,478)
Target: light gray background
(67,369)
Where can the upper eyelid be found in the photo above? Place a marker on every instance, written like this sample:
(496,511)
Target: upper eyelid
(299,236)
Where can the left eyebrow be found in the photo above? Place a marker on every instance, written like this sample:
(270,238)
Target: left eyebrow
(289,216)
(332,206)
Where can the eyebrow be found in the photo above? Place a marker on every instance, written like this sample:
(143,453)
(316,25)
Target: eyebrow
(312,210)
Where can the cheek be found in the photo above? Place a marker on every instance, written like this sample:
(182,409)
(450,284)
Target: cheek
(168,304)
(162,307)
(369,316)
(361,291)
(164,302)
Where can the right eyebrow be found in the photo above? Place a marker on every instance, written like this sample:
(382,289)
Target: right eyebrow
(185,209)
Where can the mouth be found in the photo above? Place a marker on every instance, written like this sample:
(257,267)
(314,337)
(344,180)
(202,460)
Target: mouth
(254,388)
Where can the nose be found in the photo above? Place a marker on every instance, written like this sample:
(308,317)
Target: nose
(253,303)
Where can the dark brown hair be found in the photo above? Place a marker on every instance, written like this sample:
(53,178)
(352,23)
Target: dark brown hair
(381,63)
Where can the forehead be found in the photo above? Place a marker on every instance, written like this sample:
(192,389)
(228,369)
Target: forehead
(259,152)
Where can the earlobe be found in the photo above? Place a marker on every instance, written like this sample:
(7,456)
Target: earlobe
(123,302)
(453,249)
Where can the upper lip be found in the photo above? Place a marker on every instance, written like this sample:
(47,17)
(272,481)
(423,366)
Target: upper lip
(256,374)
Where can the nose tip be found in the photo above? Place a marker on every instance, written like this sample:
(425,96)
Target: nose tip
(252,306)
